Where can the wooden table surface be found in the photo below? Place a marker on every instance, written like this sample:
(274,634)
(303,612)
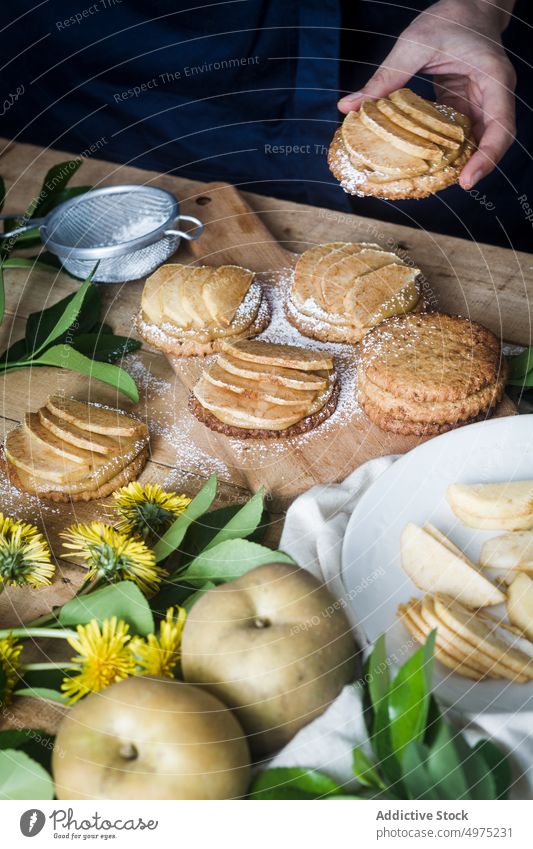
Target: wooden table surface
(485,283)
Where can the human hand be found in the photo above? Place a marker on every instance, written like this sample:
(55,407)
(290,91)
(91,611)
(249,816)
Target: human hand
(458,42)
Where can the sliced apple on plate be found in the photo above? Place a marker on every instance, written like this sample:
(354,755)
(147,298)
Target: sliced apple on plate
(365,147)
(486,634)
(512,552)
(426,113)
(402,119)
(293,378)
(376,121)
(286,356)
(520,604)
(494,506)
(435,564)
(95,418)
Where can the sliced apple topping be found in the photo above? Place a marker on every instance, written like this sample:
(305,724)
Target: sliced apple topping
(56,444)
(58,452)
(225,290)
(265,386)
(276,374)
(341,277)
(408,122)
(426,113)
(287,356)
(376,153)
(195,297)
(385,291)
(86,439)
(400,138)
(258,387)
(193,301)
(95,418)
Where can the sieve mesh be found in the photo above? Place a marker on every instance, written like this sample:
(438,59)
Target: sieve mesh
(110,219)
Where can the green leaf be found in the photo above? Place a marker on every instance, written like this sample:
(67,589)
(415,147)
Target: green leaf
(35,743)
(293,783)
(14,739)
(23,778)
(123,600)
(41,693)
(409,696)
(243,523)
(498,765)
(69,315)
(173,537)
(16,352)
(2,684)
(65,356)
(61,197)
(25,262)
(53,185)
(104,347)
(416,777)
(445,766)
(193,598)
(230,560)
(41,324)
(202,532)
(377,673)
(520,365)
(365,771)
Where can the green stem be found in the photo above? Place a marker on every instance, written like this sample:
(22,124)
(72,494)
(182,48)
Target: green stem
(63,634)
(32,667)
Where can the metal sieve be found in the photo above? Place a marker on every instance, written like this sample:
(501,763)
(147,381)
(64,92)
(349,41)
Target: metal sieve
(129,230)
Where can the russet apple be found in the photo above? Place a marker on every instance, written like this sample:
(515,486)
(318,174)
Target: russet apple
(274,646)
(150,738)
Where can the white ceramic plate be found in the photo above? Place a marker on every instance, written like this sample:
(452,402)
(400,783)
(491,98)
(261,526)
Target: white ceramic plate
(414,490)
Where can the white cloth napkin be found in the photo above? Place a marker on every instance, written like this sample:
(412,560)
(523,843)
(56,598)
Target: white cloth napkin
(313,534)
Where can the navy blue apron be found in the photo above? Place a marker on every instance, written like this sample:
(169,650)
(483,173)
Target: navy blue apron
(243,91)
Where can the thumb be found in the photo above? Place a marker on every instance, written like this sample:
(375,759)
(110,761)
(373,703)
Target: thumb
(402,63)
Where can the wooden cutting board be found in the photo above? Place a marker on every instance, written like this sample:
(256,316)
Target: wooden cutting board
(235,234)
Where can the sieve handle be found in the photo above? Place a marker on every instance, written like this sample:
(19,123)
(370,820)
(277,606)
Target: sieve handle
(191,235)
(33,224)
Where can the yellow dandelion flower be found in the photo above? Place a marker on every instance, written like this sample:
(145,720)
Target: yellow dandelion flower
(104,657)
(112,556)
(9,665)
(148,509)
(25,556)
(159,655)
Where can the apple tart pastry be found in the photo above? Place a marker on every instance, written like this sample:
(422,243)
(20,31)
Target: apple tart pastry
(189,310)
(71,450)
(265,390)
(401,146)
(342,289)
